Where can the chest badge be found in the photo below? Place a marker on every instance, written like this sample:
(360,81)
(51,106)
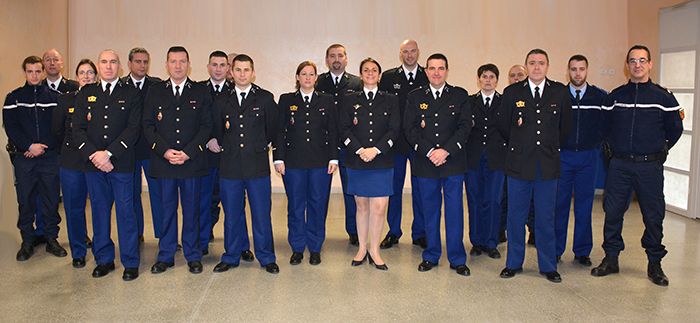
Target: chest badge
(293,108)
(422,123)
(397,86)
(160,116)
(354,120)
(291,120)
(357,106)
(70,110)
(424,106)
(92,98)
(89,116)
(682,113)
(520,121)
(520,104)
(227,125)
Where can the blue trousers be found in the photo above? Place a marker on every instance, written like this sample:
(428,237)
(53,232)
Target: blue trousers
(38,185)
(579,170)
(350,206)
(646,179)
(504,209)
(74,201)
(484,201)
(519,196)
(106,189)
(395,210)
(209,211)
(189,190)
(307,193)
(153,193)
(431,194)
(259,192)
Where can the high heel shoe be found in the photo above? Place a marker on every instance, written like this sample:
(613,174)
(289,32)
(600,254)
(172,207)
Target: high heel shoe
(355,263)
(380,267)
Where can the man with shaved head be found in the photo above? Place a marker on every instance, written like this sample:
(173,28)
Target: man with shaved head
(53,63)
(516,74)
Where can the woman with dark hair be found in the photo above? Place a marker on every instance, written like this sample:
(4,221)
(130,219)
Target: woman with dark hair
(369,126)
(306,155)
(73,183)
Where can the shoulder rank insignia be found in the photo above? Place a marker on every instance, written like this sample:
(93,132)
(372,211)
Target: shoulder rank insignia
(357,106)
(92,98)
(424,106)
(227,125)
(293,108)
(70,110)
(682,113)
(89,116)
(520,104)
(160,116)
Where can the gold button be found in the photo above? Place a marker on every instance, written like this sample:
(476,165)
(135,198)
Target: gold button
(106,126)
(241,135)
(177,119)
(307,113)
(241,145)
(105,117)
(538,143)
(241,126)
(370,139)
(370,114)
(538,110)
(538,132)
(436,124)
(240,116)
(105,136)
(437,135)
(370,131)
(370,122)
(106,106)
(307,139)
(538,121)
(178,109)
(177,142)
(307,130)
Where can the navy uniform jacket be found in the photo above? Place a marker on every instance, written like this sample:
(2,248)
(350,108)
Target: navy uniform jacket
(442,124)
(365,125)
(245,133)
(65,86)
(308,134)
(27,116)
(585,126)
(181,125)
(143,151)
(348,83)
(62,130)
(640,118)
(484,134)
(535,133)
(212,157)
(108,123)
(395,81)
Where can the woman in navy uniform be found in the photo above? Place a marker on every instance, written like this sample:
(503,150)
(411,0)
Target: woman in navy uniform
(306,154)
(72,164)
(369,125)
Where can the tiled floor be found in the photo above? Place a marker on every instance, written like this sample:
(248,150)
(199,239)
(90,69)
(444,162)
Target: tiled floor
(48,289)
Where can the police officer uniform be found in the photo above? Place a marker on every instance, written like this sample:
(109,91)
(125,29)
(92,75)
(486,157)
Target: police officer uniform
(580,155)
(64,85)
(432,121)
(400,81)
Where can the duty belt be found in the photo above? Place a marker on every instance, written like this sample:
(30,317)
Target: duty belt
(654,157)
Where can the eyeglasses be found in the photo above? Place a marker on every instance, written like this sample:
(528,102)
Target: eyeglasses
(634,61)
(81,73)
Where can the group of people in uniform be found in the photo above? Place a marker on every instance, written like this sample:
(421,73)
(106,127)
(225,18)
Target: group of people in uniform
(520,154)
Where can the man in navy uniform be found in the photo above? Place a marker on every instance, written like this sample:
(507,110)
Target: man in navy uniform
(400,81)
(437,122)
(244,126)
(139,60)
(54,79)
(641,121)
(535,119)
(27,116)
(337,82)
(579,162)
(106,125)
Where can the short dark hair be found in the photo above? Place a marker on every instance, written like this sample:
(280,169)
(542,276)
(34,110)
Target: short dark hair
(83,62)
(301,67)
(336,46)
(487,68)
(244,58)
(638,47)
(437,56)
(218,53)
(578,58)
(137,50)
(370,60)
(537,51)
(32,60)
(177,49)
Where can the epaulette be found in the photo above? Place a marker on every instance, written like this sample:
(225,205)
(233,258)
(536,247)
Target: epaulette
(663,88)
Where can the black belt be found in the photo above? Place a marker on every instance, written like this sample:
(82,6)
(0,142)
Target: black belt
(654,157)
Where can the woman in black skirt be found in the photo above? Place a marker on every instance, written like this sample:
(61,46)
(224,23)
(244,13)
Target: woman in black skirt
(369,125)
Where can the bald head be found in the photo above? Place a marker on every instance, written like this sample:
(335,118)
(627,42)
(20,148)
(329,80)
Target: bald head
(53,63)
(108,65)
(516,74)
(409,53)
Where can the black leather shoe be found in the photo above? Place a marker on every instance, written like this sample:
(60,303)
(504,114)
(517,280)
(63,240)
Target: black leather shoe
(531,239)
(195,267)
(247,256)
(389,241)
(378,266)
(102,270)
(130,274)
(552,276)
(510,273)
(211,236)
(584,260)
(25,251)
(607,266)
(656,274)
(493,253)
(79,262)
(88,242)
(315,258)
(476,251)
(224,266)
(356,263)
(272,268)
(141,239)
(461,270)
(354,240)
(422,242)
(296,258)
(558,259)
(55,249)
(39,240)
(426,265)
(161,267)
(179,247)
(502,236)
(205,252)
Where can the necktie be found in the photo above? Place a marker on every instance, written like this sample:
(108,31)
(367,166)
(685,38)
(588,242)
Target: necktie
(216,88)
(53,86)
(578,95)
(337,80)
(138,85)
(107,91)
(242,97)
(306,99)
(370,95)
(410,77)
(177,92)
(488,103)
(537,94)
(437,95)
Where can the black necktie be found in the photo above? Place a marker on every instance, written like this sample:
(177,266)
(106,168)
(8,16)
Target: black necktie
(53,86)
(410,76)
(306,99)
(488,103)
(107,91)
(578,95)
(138,85)
(177,93)
(370,95)
(537,94)
(242,97)
(437,95)
(216,88)
(337,80)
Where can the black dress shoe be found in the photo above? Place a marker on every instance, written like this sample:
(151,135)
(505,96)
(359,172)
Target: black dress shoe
(141,239)
(130,274)
(356,263)
(39,240)
(584,260)
(102,270)
(656,274)
(55,249)
(558,259)
(195,267)
(426,265)
(25,251)
(552,276)
(161,267)
(476,251)
(531,239)
(389,241)
(354,240)
(79,262)
(461,270)
(247,256)
(380,267)
(179,247)
(510,273)
(211,236)
(493,253)
(272,268)
(422,242)
(88,242)
(205,252)
(296,258)
(224,266)
(502,236)
(315,258)
(607,266)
